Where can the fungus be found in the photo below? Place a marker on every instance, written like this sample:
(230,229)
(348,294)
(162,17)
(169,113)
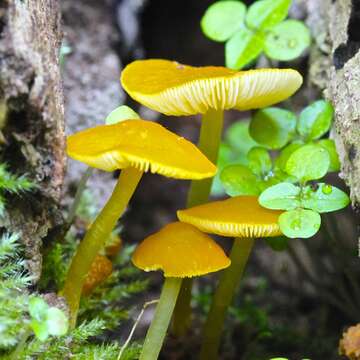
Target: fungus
(135,146)
(243,218)
(175,89)
(179,250)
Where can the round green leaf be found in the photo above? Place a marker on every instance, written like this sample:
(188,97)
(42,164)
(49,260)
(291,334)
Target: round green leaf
(315,120)
(309,162)
(238,137)
(242,48)
(277,243)
(38,308)
(283,196)
(40,329)
(325,198)
(259,161)
(222,19)
(121,113)
(284,155)
(239,180)
(287,40)
(57,322)
(329,145)
(299,223)
(273,127)
(265,14)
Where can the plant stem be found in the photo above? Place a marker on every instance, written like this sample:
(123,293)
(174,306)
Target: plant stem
(223,297)
(79,192)
(21,344)
(160,323)
(209,143)
(96,237)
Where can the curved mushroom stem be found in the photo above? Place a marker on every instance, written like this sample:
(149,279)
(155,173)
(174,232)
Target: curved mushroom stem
(209,143)
(223,297)
(160,323)
(96,236)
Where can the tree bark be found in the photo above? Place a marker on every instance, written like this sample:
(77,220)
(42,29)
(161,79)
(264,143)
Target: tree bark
(32,121)
(335,69)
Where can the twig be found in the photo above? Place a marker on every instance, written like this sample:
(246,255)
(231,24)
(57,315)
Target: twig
(148,303)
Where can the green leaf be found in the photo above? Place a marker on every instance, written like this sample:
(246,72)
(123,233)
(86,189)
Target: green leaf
(239,180)
(326,198)
(57,322)
(38,308)
(259,161)
(222,19)
(329,145)
(242,48)
(283,196)
(40,329)
(299,223)
(226,157)
(310,162)
(121,113)
(284,155)
(315,120)
(238,137)
(287,40)
(265,14)
(277,243)
(273,127)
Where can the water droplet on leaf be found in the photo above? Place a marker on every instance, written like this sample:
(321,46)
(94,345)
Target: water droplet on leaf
(327,189)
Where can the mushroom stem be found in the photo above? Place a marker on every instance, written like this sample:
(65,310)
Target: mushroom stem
(223,297)
(96,236)
(209,143)
(160,323)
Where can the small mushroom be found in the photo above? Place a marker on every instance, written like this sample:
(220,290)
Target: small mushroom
(175,89)
(135,146)
(180,250)
(243,218)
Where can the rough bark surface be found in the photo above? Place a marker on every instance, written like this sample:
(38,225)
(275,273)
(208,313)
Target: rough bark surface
(32,117)
(335,68)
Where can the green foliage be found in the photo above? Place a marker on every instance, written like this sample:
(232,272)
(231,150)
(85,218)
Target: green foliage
(233,150)
(273,127)
(12,184)
(121,113)
(222,19)
(250,32)
(287,40)
(281,178)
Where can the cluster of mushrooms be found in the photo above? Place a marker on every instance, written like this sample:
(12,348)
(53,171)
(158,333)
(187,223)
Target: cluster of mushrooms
(182,249)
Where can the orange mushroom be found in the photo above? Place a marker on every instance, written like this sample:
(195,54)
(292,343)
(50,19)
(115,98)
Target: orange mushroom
(241,217)
(179,250)
(176,89)
(135,146)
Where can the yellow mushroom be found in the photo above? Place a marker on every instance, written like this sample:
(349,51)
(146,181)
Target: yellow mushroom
(135,146)
(243,218)
(179,250)
(176,89)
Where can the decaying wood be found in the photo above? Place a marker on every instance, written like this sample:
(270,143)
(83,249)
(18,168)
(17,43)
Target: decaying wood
(335,68)
(32,116)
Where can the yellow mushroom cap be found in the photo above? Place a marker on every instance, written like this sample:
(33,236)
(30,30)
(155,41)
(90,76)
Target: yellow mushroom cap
(180,250)
(240,216)
(141,144)
(175,89)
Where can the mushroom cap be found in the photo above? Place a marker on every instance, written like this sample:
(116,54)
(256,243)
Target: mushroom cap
(175,89)
(141,144)
(180,250)
(240,216)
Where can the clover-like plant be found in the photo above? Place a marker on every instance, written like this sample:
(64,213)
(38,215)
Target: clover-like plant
(261,28)
(285,180)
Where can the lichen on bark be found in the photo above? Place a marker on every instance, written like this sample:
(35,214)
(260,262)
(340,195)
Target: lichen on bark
(33,117)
